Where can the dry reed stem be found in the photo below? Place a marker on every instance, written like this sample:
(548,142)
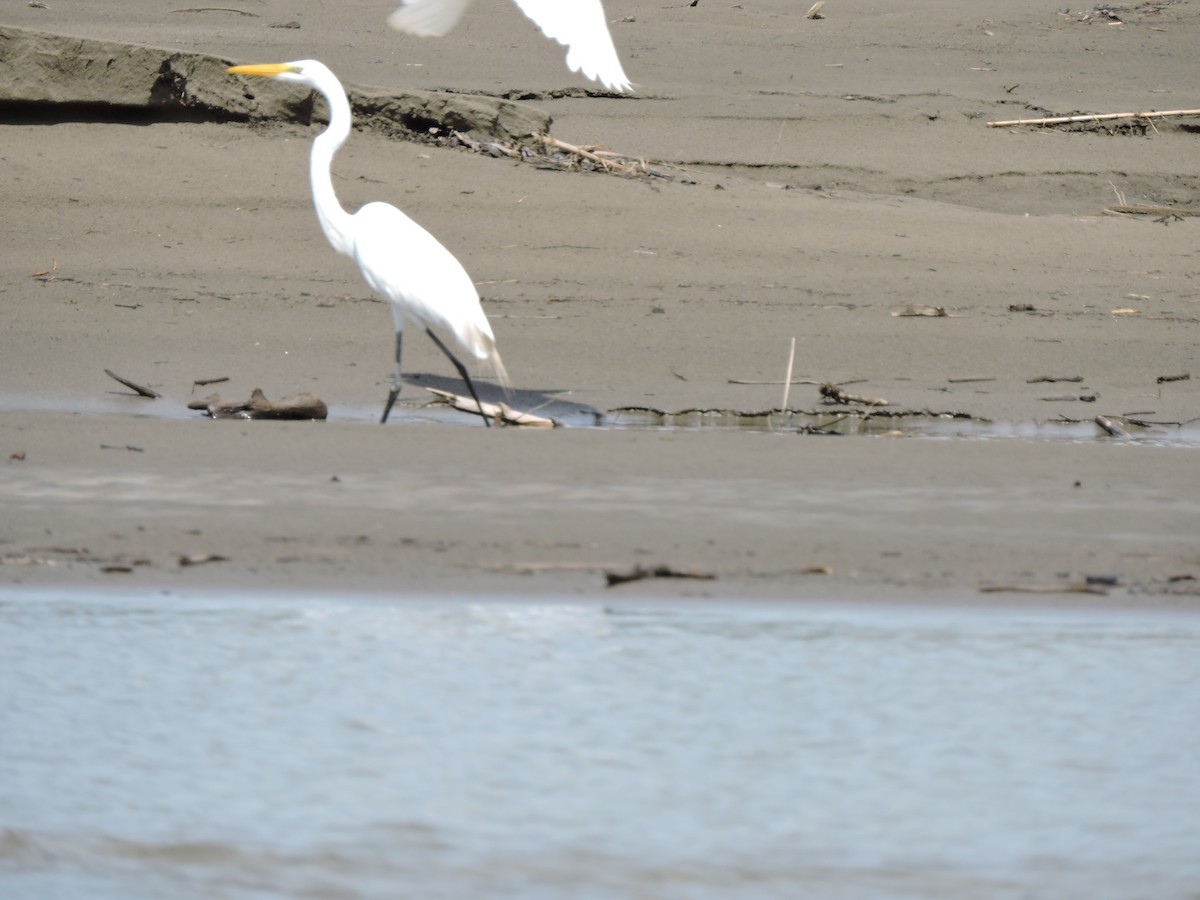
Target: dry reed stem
(1122,209)
(787,380)
(603,157)
(1101,117)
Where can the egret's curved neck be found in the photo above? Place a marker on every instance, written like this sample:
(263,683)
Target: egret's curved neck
(335,221)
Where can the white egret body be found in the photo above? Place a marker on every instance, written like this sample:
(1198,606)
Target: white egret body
(578,24)
(399,259)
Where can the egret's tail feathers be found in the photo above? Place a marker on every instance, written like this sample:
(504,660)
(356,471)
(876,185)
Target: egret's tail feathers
(483,347)
(501,372)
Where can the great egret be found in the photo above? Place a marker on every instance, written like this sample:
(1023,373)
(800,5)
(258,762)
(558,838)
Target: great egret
(579,24)
(400,260)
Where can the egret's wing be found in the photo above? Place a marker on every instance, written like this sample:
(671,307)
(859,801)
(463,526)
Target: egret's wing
(422,279)
(580,25)
(428,18)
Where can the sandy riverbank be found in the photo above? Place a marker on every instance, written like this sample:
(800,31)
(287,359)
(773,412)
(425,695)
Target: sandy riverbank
(825,176)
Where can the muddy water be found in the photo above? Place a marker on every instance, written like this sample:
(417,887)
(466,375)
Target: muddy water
(313,746)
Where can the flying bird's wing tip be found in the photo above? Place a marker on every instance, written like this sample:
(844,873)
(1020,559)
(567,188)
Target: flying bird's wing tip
(427,18)
(581,29)
(397,21)
(617,82)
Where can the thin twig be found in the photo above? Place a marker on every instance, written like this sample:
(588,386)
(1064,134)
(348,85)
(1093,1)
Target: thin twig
(1073,588)
(1103,117)
(747,381)
(834,394)
(1126,210)
(571,148)
(200,9)
(133,386)
(47,274)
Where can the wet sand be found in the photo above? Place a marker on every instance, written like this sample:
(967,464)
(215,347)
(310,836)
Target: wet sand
(825,176)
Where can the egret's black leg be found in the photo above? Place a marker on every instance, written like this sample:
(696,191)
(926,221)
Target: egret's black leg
(395,391)
(462,370)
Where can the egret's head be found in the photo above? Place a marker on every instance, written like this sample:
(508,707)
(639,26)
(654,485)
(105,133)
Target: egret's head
(303,71)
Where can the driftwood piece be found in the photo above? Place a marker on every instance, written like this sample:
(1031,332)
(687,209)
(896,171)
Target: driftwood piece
(541,148)
(1043,379)
(199,559)
(637,573)
(296,407)
(497,412)
(1075,587)
(834,394)
(1112,427)
(133,386)
(1182,376)
(932,312)
(534,568)
(202,9)
(748,381)
(1071,398)
(1124,209)
(1102,117)
(814,12)
(217,408)
(605,159)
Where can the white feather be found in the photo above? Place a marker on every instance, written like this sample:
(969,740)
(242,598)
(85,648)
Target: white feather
(577,24)
(428,18)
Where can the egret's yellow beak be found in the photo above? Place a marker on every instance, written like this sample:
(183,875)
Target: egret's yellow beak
(266,70)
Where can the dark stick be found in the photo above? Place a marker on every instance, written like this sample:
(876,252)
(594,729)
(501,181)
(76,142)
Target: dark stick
(144,391)
(637,573)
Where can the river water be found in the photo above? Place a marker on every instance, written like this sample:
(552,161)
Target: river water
(167,745)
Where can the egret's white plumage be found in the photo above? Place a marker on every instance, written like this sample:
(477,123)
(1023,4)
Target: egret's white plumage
(578,24)
(399,259)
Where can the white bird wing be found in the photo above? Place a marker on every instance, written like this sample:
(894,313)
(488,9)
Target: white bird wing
(428,18)
(580,25)
(421,278)
(577,24)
